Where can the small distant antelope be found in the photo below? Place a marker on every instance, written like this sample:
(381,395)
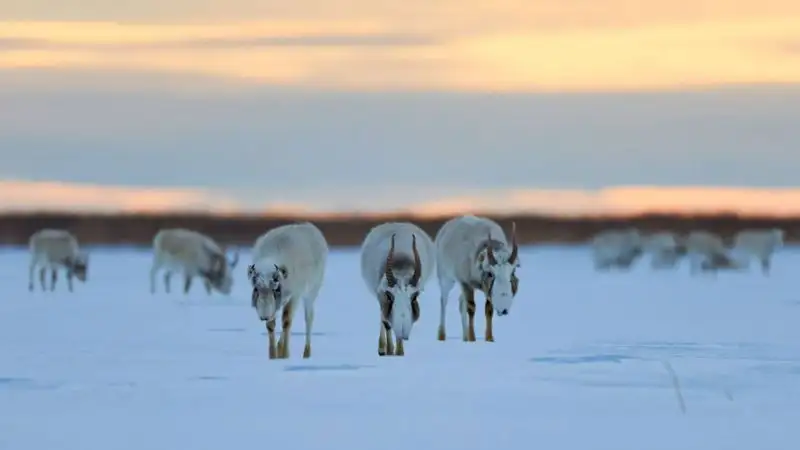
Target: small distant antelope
(397,260)
(473,252)
(667,249)
(708,253)
(288,267)
(616,248)
(194,254)
(761,244)
(53,249)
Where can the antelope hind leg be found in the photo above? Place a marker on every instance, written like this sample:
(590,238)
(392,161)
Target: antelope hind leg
(489,312)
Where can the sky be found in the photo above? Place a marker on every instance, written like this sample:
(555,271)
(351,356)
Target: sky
(432,107)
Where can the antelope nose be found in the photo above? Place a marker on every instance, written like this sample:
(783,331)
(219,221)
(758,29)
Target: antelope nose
(503,312)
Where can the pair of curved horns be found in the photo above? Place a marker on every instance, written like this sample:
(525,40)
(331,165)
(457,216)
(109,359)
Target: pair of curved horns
(514,247)
(391,280)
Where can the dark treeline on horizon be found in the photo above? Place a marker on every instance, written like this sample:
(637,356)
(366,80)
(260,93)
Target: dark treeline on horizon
(343,230)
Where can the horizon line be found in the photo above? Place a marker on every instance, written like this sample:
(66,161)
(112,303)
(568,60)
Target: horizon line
(26,197)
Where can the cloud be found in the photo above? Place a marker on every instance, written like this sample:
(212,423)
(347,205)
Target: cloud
(334,54)
(57,196)
(622,201)
(223,43)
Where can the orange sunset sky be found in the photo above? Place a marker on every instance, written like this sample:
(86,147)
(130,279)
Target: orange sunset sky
(436,107)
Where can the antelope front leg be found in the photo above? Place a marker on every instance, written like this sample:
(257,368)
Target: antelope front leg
(69,281)
(286,331)
(167,278)
(468,298)
(400,350)
(53,278)
(385,345)
(187,283)
(271,333)
(382,340)
(42,276)
(389,341)
(489,311)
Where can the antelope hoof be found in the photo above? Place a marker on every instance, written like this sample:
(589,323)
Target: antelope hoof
(273,353)
(400,350)
(489,338)
(441,336)
(307,351)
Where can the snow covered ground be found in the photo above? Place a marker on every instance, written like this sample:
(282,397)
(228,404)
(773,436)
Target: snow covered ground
(582,362)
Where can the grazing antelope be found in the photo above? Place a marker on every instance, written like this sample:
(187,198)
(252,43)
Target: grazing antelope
(760,244)
(194,254)
(473,252)
(666,248)
(708,253)
(616,248)
(53,249)
(288,267)
(397,260)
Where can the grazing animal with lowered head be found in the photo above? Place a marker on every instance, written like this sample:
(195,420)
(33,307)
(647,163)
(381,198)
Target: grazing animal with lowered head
(193,254)
(397,260)
(56,249)
(288,268)
(616,249)
(473,252)
(666,248)
(707,253)
(760,244)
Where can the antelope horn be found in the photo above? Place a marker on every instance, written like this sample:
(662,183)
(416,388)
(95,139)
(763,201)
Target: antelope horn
(514,246)
(390,279)
(417,263)
(489,251)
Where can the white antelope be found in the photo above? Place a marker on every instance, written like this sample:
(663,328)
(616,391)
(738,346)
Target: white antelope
(473,252)
(288,266)
(397,260)
(54,249)
(760,244)
(707,253)
(194,254)
(666,249)
(616,248)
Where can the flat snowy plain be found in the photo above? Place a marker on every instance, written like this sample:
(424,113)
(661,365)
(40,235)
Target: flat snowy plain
(582,362)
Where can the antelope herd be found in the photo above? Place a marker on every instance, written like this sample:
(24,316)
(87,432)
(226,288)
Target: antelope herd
(706,251)
(397,261)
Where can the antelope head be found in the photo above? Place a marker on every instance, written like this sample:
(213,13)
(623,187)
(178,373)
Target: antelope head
(497,268)
(78,266)
(219,272)
(268,293)
(399,294)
